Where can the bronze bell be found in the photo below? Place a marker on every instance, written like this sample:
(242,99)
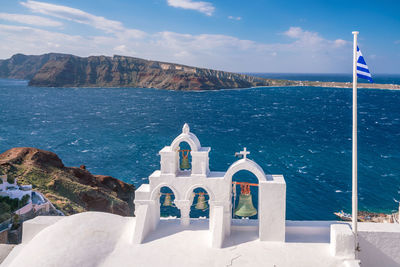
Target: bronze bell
(201,203)
(167,200)
(245,207)
(185,163)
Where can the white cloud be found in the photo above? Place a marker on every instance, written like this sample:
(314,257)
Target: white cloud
(234,18)
(341,42)
(30,20)
(294,32)
(304,38)
(203,7)
(73,14)
(29,40)
(204,50)
(312,40)
(307,52)
(120,48)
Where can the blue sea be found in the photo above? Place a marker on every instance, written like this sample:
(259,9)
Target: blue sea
(303,133)
(338,77)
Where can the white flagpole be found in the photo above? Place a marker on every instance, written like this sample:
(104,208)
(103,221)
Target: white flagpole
(354,165)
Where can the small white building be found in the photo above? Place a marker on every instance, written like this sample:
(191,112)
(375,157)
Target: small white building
(4,184)
(12,190)
(218,185)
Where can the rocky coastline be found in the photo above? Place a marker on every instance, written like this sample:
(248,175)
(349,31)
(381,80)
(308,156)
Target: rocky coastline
(64,70)
(70,189)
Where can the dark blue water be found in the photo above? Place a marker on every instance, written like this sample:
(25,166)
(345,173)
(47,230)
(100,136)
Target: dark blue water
(303,133)
(322,77)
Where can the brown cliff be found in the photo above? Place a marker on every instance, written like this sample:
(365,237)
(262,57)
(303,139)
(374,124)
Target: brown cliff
(62,70)
(24,67)
(70,189)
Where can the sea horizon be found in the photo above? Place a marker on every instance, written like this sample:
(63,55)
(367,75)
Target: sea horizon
(380,78)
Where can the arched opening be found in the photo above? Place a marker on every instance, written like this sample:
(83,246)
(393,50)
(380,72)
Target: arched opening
(167,205)
(200,207)
(244,195)
(185,157)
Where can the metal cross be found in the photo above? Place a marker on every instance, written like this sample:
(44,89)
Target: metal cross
(244,153)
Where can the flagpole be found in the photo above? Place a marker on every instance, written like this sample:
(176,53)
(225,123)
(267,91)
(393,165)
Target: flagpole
(354,162)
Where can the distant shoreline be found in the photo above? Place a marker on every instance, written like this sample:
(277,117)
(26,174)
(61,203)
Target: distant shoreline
(64,70)
(378,86)
(350,85)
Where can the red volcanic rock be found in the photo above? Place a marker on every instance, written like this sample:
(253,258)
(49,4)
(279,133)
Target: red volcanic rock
(71,189)
(31,155)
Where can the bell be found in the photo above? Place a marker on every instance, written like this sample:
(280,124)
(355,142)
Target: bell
(245,207)
(185,163)
(167,200)
(201,203)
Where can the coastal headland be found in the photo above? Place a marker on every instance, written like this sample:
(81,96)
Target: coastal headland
(64,70)
(70,189)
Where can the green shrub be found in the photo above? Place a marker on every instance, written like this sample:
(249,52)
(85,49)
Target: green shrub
(4,207)
(37,179)
(10,179)
(5,211)
(25,200)
(13,203)
(4,216)
(16,222)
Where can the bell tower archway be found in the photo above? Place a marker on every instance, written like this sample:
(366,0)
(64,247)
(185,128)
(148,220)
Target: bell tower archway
(271,198)
(215,195)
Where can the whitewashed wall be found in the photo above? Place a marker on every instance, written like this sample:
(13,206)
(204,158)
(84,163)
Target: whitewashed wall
(379,244)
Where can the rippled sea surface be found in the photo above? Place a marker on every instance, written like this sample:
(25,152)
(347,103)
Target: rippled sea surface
(303,133)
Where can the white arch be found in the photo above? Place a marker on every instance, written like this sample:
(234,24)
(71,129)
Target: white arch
(189,138)
(193,187)
(156,190)
(248,165)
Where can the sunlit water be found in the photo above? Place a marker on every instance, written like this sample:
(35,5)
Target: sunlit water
(303,133)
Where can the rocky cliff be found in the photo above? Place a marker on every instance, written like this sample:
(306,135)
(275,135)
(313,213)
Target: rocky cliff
(70,189)
(24,67)
(62,70)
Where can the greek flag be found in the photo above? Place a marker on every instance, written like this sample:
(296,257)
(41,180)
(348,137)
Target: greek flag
(362,68)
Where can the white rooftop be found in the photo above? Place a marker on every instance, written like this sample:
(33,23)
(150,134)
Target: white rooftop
(102,239)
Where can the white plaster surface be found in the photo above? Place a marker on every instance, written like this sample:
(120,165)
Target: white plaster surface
(84,239)
(37,224)
(352,263)
(5,249)
(101,239)
(379,244)
(342,241)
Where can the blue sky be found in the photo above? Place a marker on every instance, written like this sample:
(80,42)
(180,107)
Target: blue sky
(243,36)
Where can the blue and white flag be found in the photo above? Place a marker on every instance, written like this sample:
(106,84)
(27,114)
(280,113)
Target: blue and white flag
(362,68)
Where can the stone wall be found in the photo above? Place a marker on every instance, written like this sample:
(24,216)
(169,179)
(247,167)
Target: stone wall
(4,236)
